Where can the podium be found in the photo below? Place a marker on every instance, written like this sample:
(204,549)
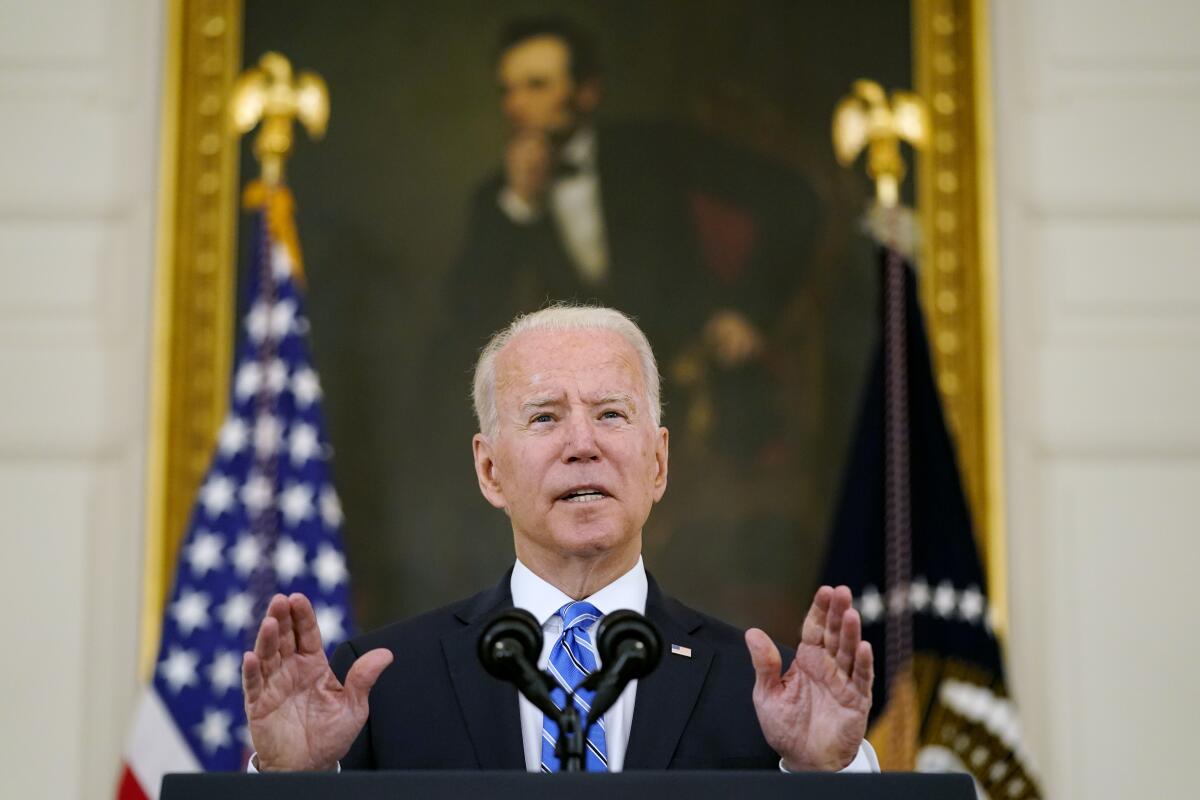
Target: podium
(700,785)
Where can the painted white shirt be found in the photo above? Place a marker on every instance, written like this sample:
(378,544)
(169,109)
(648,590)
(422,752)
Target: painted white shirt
(574,204)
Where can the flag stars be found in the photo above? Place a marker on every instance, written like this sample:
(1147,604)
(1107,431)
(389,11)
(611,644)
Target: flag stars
(944,599)
(918,595)
(251,378)
(289,560)
(236,613)
(232,437)
(871,605)
(303,443)
(329,620)
(214,731)
(204,552)
(283,314)
(246,554)
(257,494)
(274,320)
(225,672)
(296,504)
(970,604)
(217,495)
(306,387)
(179,668)
(256,322)
(943,602)
(277,376)
(329,567)
(190,611)
(248,380)
(268,435)
(331,508)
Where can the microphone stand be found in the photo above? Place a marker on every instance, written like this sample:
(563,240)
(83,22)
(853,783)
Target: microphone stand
(571,747)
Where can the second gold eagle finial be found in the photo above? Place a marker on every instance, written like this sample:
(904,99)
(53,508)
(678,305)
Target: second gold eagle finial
(865,119)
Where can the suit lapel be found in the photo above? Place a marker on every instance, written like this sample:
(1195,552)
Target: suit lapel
(489,706)
(666,698)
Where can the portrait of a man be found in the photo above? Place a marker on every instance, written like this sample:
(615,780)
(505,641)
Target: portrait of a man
(681,174)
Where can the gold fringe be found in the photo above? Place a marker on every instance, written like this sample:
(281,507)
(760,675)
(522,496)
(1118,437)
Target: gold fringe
(894,734)
(281,218)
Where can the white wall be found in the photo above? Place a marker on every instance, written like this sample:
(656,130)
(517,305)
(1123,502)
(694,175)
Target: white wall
(79,96)
(1097,122)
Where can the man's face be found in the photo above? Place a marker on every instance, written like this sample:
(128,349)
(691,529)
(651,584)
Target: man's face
(577,462)
(537,92)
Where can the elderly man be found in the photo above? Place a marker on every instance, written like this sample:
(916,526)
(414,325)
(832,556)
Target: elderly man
(571,449)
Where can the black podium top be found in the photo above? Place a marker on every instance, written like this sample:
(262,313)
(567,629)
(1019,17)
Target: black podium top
(525,786)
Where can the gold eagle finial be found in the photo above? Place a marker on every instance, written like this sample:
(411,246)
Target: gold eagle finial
(268,94)
(865,119)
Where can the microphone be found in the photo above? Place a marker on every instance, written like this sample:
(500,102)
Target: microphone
(509,648)
(630,647)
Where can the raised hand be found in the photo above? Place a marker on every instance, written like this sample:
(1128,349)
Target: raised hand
(815,714)
(300,716)
(527,165)
(733,338)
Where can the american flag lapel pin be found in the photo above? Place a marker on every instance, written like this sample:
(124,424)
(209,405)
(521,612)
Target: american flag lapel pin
(680,650)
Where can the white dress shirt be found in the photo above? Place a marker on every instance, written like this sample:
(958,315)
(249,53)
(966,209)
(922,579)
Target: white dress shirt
(543,601)
(628,591)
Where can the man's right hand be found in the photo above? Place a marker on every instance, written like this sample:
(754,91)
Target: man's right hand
(527,165)
(300,716)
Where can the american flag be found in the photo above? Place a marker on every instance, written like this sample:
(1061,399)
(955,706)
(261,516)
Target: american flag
(266,520)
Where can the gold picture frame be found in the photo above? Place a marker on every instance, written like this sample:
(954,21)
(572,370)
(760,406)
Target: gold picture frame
(195,280)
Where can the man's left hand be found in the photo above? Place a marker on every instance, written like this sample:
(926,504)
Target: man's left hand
(815,714)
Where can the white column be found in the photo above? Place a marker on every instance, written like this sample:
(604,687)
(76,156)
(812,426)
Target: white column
(1097,115)
(79,122)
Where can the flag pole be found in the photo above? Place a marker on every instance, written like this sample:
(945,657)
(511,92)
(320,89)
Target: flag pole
(865,119)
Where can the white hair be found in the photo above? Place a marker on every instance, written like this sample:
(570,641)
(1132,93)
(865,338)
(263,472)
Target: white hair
(561,317)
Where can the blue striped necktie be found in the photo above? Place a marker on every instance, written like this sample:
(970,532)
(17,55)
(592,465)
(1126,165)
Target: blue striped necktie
(572,659)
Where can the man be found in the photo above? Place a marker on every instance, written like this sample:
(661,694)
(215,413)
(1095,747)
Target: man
(700,242)
(570,448)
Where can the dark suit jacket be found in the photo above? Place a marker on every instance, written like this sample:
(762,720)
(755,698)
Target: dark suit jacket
(436,708)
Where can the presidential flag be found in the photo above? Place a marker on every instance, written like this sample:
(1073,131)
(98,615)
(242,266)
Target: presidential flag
(902,540)
(266,519)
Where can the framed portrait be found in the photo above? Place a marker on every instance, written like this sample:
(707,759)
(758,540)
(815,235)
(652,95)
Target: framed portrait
(725,227)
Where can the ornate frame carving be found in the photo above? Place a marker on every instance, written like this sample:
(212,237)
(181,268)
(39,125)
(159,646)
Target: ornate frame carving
(958,275)
(194,303)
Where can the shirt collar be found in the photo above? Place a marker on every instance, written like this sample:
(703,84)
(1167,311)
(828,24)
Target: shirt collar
(542,599)
(579,151)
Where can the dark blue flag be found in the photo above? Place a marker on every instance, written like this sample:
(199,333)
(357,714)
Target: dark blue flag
(903,541)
